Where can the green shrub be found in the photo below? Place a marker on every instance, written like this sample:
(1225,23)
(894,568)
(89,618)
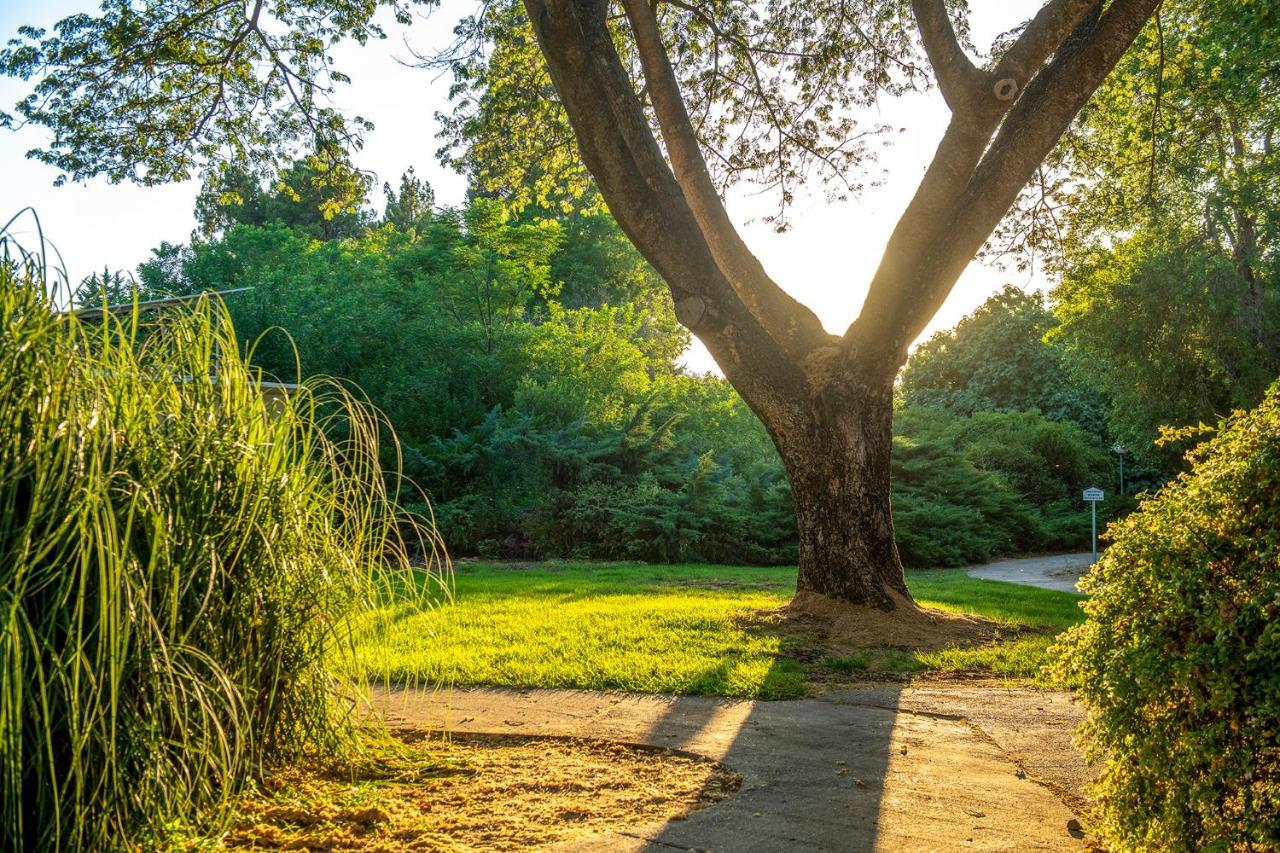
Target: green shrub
(181,565)
(1179,660)
(946,512)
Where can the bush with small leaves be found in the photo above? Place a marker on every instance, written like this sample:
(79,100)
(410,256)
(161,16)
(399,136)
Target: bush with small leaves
(1179,660)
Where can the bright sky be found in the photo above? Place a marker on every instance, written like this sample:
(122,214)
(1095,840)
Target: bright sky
(826,260)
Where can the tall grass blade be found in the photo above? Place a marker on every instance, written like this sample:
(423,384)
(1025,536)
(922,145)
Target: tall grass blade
(184,562)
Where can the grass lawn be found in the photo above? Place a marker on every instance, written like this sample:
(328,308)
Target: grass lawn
(679,629)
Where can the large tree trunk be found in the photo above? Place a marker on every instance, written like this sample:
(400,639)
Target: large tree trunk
(836,451)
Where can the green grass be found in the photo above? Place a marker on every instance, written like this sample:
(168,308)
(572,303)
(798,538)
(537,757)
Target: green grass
(678,629)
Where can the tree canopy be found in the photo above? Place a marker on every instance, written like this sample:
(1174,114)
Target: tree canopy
(155,92)
(1163,206)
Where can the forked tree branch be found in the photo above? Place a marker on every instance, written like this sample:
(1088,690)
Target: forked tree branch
(1053,99)
(954,213)
(1044,35)
(774,351)
(959,80)
(636,180)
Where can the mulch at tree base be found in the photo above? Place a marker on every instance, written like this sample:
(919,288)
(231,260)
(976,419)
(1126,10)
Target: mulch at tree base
(848,627)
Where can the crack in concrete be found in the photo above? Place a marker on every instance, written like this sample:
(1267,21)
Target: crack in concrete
(658,841)
(933,715)
(1068,799)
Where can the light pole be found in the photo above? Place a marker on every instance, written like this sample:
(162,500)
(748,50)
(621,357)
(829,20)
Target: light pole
(1120,450)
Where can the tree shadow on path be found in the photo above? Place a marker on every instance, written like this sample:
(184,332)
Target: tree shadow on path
(812,773)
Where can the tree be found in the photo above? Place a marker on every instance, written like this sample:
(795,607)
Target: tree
(826,400)
(770,90)
(996,360)
(412,205)
(1169,251)
(1181,138)
(106,288)
(1159,320)
(322,195)
(597,265)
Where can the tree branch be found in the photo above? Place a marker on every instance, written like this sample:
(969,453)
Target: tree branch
(1046,32)
(1052,101)
(636,181)
(959,80)
(956,208)
(792,324)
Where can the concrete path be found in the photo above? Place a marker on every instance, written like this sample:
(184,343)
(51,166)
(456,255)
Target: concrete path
(886,767)
(1060,571)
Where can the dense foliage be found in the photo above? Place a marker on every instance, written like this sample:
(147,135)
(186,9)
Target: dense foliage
(530,365)
(968,489)
(1164,230)
(1179,660)
(996,360)
(1163,324)
(181,561)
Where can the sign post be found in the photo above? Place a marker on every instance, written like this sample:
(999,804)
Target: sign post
(1121,450)
(1093,496)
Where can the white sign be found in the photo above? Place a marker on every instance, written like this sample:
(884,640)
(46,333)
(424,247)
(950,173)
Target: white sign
(1094,494)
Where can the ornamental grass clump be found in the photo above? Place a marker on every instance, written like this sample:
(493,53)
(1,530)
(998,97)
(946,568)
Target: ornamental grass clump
(183,565)
(1179,659)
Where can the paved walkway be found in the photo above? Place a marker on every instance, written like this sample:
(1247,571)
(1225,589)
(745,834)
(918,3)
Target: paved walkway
(1060,571)
(887,767)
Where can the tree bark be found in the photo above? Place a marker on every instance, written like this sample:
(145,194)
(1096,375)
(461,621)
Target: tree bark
(837,455)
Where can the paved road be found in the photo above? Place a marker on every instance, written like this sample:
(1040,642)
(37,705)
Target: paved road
(877,768)
(1060,572)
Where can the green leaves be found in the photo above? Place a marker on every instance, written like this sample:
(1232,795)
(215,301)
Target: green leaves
(154,92)
(1178,658)
(1167,327)
(996,359)
(969,489)
(322,195)
(1178,139)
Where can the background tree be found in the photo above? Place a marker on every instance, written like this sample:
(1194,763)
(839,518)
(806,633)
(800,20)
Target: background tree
(411,205)
(1161,220)
(996,359)
(1181,138)
(323,195)
(767,95)
(1156,322)
(560,423)
(108,287)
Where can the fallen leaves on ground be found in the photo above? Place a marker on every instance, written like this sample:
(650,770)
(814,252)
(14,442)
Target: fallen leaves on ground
(475,793)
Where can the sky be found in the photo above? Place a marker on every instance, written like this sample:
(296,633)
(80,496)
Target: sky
(825,260)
